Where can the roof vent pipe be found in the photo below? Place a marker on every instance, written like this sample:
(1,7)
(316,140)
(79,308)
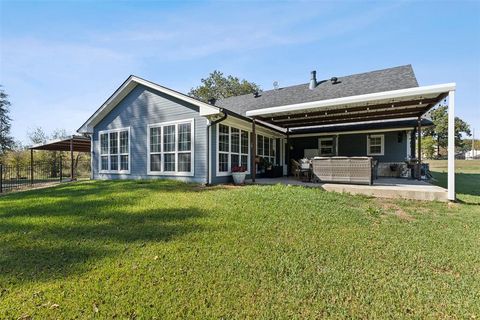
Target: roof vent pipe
(313,80)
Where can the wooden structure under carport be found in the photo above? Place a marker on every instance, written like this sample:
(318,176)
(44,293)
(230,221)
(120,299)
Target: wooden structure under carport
(74,143)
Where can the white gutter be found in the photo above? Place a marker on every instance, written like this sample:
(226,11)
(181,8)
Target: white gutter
(385,95)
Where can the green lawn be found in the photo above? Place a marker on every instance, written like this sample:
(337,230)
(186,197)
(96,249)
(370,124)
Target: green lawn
(170,250)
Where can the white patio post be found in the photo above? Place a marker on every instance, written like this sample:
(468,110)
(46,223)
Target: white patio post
(451,145)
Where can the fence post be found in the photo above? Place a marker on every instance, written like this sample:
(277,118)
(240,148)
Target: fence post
(1,178)
(31,166)
(61,160)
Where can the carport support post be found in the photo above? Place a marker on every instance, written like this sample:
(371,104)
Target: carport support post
(72,171)
(419,151)
(254,153)
(451,145)
(287,152)
(31,166)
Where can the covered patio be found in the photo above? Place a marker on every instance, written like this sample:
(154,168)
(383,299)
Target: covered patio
(411,103)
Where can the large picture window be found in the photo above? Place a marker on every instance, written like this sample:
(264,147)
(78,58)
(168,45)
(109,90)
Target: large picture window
(170,148)
(375,145)
(233,149)
(266,148)
(115,151)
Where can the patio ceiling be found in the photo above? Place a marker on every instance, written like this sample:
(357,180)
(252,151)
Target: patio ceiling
(396,104)
(73,143)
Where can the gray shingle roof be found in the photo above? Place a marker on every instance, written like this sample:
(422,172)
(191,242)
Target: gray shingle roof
(401,77)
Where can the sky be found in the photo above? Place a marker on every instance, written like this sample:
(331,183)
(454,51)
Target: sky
(60,60)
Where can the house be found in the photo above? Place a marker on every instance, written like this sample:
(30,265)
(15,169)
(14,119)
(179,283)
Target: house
(145,130)
(472,154)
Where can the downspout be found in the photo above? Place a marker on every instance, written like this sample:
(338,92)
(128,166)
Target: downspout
(209,125)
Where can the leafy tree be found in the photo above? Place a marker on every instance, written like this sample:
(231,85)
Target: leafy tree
(6,141)
(217,86)
(428,147)
(439,132)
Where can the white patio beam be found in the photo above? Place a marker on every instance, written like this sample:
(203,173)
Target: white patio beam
(451,145)
(341,102)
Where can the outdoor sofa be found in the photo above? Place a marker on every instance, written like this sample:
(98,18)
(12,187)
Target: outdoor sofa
(343,169)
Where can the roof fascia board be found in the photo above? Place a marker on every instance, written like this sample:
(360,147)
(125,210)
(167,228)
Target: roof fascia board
(402,93)
(127,87)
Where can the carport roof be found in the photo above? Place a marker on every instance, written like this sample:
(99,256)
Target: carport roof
(78,143)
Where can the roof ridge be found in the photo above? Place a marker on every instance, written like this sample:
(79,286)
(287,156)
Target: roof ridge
(339,77)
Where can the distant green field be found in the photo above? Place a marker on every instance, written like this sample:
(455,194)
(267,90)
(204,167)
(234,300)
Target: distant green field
(168,250)
(467,177)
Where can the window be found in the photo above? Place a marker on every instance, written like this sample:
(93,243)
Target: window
(326,146)
(266,148)
(170,148)
(115,151)
(233,149)
(375,145)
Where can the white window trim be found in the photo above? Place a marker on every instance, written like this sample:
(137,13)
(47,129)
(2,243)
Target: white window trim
(320,147)
(192,139)
(382,144)
(119,154)
(229,172)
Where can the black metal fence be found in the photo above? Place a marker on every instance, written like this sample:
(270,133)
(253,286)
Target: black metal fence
(17,177)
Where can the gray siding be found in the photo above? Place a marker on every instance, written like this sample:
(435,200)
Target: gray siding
(356,145)
(145,106)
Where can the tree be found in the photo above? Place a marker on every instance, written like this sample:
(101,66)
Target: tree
(37,136)
(428,147)
(6,141)
(217,86)
(439,132)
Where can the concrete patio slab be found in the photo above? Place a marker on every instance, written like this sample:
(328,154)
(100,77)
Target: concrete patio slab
(382,188)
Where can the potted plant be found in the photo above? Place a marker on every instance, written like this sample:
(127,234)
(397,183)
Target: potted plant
(238,174)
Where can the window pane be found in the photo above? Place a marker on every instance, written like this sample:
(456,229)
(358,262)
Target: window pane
(104,163)
(375,149)
(223,162)
(375,140)
(184,135)
(266,146)
(260,145)
(184,162)
(113,142)
(223,143)
(124,162)
(155,162)
(169,162)
(235,142)
(114,163)
(245,161)
(244,142)
(272,149)
(235,160)
(326,143)
(326,151)
(104,144)
(124,142)
(155,141)
(169,138)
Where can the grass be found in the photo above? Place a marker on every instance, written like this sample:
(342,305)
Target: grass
(161,249)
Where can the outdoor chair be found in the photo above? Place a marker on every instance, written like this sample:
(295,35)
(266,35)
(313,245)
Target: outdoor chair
(295,168)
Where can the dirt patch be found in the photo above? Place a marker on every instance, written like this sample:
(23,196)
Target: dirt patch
(215,187)
(395,209)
